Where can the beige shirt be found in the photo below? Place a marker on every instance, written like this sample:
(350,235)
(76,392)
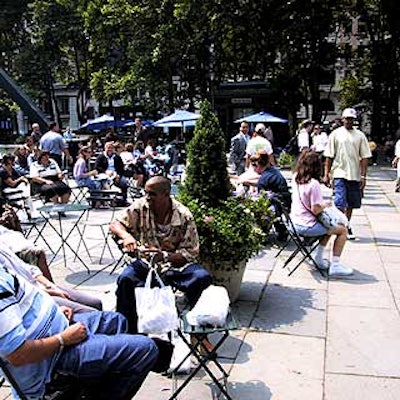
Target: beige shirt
(179,236)
(347,148)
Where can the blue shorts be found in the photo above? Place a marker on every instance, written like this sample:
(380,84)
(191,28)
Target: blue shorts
(347,194)
(311,231)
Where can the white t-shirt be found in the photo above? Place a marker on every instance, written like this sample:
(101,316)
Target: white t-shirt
(258,143)
(347,148)
(303,139)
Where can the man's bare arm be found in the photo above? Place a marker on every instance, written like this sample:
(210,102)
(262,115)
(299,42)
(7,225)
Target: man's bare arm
(33,351)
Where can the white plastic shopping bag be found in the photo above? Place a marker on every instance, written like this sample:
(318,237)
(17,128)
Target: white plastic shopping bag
(155,307)
(211,308)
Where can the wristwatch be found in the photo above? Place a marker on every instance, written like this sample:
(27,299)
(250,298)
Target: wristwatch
(165,256)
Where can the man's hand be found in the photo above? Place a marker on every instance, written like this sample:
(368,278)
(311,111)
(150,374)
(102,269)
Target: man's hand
(363,182)
(148,251)
(326,181)
(74,334)
(68,312)
(129,243)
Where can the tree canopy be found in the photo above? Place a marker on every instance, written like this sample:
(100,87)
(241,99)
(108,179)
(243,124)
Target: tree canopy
(140,51)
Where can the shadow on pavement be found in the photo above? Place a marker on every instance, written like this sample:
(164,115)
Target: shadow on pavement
(254,390)
(283,305)
(95,278)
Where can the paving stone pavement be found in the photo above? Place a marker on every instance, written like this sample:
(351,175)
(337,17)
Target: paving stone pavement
(301,337)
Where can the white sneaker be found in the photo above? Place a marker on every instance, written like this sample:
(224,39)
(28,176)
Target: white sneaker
(323,264)
(340,270)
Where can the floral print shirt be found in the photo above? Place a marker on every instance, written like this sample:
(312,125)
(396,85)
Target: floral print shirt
(179,236)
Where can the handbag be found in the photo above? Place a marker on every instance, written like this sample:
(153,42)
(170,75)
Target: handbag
(155,306)
(330,217)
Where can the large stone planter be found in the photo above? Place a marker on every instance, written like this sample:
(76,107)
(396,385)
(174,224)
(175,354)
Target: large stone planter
(228,274)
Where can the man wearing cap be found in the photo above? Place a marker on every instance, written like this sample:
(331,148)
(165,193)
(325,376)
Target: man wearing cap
(347,156)
(259,143)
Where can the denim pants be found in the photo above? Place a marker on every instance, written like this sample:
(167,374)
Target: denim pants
(192,280)
(121,361)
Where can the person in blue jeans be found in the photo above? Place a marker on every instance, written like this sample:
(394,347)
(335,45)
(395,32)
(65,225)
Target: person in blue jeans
(159,223)
(38,339)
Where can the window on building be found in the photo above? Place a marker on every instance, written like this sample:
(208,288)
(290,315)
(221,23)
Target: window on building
(63,104)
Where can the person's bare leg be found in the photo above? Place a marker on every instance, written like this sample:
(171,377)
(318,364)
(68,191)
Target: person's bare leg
(348,212)
(43,266)
(340,240)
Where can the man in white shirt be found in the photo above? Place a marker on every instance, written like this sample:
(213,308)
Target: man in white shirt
(347,156)
(259,143)
(303,138)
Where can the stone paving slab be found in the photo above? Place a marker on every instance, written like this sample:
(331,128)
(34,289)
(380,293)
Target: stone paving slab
(363,341)
(358,387)
(277,366)
(292,310)
(354,293)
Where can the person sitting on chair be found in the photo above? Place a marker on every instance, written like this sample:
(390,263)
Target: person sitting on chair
(271,180)
(47,179)
(110,163)
(77,300)
(161,223)
(307,203)
(27,250)
(83,176)
(10,178)
(39,339)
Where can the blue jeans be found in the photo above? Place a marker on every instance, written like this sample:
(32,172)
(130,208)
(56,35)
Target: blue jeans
(192,280)
(121,361)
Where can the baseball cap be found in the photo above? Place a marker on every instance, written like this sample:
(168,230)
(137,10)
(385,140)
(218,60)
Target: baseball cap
(349,113)
(260,128)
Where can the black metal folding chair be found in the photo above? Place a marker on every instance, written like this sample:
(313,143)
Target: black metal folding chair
(304,245)
(203,355)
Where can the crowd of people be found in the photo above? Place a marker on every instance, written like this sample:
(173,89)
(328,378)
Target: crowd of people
(338,160)
(47,328)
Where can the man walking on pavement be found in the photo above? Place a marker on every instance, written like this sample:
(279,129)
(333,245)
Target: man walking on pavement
(53,142)
(238,149)
(347,156)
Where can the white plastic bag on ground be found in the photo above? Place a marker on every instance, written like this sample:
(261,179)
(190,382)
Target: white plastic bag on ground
(212,307)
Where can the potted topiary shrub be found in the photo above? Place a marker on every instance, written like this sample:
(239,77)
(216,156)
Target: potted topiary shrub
(229,234)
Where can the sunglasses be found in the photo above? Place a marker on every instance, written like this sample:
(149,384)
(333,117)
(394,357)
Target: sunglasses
(150,193)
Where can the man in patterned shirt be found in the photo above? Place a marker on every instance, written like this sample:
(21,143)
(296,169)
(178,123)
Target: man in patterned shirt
(159,223)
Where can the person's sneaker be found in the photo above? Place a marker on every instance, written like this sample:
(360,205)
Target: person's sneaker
(323,264)
(340,270)
(350,234)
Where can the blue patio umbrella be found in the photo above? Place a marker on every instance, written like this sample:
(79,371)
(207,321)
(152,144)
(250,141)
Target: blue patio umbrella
(104,122)
(262,117)
(184,124)
(180,117)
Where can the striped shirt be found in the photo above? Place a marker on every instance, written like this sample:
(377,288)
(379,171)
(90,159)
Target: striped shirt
(26,313)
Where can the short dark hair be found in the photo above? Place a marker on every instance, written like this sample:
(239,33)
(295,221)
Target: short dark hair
(52,124)
(42,154)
